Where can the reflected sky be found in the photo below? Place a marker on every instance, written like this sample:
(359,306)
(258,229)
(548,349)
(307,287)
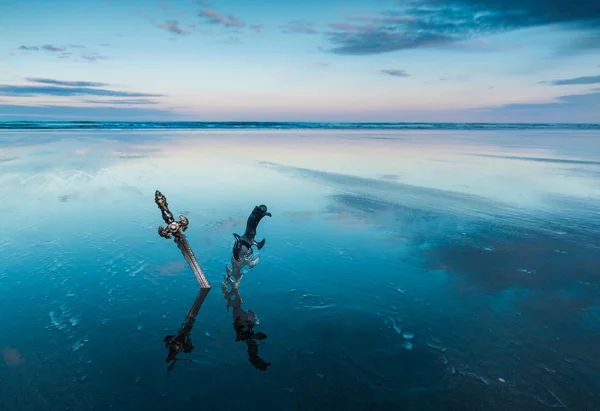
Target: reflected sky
(402,269)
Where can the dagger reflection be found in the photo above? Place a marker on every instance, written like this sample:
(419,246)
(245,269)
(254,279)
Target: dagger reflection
(245,321)
(182,343)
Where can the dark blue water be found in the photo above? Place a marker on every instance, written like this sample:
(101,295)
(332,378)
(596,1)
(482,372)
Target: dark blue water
(402,270)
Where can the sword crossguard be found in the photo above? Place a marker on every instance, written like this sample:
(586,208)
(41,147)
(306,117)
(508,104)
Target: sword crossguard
(173,227)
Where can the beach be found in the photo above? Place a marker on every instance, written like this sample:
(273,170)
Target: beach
(414,267)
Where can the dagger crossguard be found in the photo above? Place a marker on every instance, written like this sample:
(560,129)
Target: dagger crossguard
(173,227)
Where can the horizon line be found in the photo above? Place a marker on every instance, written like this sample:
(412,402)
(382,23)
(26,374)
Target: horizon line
(296,122)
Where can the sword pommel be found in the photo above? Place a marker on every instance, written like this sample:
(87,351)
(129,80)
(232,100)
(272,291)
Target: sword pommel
(173,227)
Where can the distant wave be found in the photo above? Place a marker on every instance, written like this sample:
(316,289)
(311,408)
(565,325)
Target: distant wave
(540,159)
(123,125)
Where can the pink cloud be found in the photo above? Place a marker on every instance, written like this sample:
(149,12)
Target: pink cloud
(173,27)
(209,13)
(350,26)
(217,18)
(388,19)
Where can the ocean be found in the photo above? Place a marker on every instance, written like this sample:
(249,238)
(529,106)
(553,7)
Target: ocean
(405,267)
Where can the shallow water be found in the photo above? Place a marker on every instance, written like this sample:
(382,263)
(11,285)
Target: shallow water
(403,269)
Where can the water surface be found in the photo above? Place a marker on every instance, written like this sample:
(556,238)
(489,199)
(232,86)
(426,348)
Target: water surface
(418,269)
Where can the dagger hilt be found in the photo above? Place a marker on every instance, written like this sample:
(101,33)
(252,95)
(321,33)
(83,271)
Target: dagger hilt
(174,228)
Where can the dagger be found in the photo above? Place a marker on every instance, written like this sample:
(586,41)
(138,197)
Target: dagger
(247,240)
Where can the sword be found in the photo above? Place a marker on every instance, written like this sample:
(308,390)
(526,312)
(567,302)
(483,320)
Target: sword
(176,229)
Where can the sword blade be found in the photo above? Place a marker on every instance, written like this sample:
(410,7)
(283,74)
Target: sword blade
(189,256)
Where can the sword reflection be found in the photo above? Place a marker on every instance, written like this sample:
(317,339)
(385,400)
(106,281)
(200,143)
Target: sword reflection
(182,343)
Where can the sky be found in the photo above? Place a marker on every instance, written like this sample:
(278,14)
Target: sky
(328,60)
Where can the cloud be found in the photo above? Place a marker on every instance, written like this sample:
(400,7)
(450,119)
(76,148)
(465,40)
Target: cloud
(45,112)
(384,18)
(351,26)
(50,47)
(583,44)
(231,40)
(65,83)
(577,80)
(257,27)
(62,52)
(583,108)
(433,23)
(163,6)
(217,18)
(396,73)
(122,102)
(93,57)
(298,26)
(29,91)
(380,41)
(590,100)
(173,27)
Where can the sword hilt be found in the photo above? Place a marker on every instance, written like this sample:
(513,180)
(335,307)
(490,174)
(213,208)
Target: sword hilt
(173,227)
